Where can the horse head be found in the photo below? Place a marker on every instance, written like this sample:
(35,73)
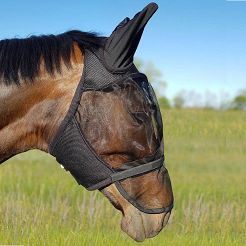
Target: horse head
(104,127)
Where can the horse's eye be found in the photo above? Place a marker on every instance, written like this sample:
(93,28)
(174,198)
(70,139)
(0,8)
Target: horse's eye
(140,117)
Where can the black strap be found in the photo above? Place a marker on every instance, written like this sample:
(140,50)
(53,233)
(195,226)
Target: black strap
(141,169)
(137,170)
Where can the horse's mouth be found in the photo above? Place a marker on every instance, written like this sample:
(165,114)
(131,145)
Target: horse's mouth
(136,224)
(140,226)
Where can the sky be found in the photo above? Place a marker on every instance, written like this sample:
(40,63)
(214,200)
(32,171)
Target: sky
(198,45)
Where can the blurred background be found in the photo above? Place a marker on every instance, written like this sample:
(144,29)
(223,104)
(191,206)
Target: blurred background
(194,53)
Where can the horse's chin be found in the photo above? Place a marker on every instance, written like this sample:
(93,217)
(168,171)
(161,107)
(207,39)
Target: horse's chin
(139,225)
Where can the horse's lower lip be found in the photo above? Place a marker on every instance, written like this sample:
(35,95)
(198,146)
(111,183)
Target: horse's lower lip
(133,227)
(166,218)
(164,223)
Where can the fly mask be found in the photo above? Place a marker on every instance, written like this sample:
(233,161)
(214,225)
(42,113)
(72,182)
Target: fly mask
(109,71)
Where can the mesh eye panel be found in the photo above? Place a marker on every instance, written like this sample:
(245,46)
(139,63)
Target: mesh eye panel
(120,119)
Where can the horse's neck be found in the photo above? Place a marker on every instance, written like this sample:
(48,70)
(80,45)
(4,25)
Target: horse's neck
(31,114)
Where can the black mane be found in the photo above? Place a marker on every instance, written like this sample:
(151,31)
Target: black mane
(20,58)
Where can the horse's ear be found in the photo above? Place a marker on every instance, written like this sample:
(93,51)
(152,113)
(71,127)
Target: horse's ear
(121,46)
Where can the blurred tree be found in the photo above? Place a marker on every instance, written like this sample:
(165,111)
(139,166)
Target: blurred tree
(164,102)
(210,100)
(155,78)
(239,102)
(138,63)
(179,100)
(225,101)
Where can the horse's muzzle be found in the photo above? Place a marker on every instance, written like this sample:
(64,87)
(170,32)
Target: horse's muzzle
(140,226)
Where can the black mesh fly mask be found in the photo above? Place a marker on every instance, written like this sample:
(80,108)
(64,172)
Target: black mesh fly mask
(109,72)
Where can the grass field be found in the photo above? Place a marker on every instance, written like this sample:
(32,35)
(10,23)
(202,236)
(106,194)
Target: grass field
(41,204)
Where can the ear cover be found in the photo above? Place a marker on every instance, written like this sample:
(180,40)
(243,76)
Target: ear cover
(121,46)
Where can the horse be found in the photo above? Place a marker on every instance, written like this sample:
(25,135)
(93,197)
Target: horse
(39,76)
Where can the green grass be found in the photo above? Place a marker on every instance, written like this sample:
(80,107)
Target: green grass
(41,204)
